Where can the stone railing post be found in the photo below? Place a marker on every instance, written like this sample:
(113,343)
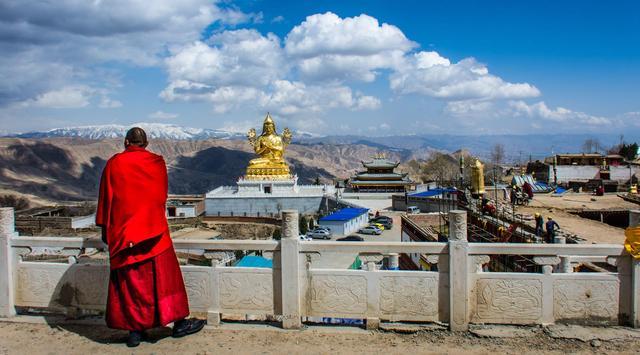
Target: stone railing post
(565,261)
(7,231)
(290,270)
(634,220)
(458,271)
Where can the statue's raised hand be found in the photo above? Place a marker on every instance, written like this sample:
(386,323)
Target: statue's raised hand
(286,136)
(251,136)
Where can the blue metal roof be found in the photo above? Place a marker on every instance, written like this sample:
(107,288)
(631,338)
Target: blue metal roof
(434,192)
(345,214)
(254,261)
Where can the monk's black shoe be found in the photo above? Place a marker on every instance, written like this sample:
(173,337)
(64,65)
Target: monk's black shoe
(187,326)
(134,339)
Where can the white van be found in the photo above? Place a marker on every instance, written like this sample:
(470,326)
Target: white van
(413,209)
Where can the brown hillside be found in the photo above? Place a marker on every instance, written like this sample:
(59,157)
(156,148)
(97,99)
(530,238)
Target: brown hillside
(61,169)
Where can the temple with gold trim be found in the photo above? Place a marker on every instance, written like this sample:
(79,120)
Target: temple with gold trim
(380,176)
(268,186)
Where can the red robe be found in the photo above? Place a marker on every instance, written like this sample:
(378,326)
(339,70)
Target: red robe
(146,288)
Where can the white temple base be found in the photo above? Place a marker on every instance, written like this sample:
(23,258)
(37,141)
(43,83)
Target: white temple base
(272,187)
(265,198)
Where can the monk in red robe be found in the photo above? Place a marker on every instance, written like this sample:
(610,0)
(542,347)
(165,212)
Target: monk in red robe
(146,289)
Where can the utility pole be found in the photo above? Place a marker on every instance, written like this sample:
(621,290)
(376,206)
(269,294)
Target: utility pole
(461,172)
(555,170)
(495,187)
(520,157)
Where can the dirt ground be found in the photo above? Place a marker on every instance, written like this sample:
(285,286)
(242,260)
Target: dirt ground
(583,201)
(592,231)
(17,338)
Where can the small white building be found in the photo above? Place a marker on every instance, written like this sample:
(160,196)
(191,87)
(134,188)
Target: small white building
(185,206)
(346,220)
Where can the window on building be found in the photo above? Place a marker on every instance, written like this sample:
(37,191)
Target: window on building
(267,189)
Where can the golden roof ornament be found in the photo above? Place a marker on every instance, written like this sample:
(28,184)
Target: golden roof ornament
(270,147)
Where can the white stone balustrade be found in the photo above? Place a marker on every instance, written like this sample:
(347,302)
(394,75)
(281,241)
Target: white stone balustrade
(459,293)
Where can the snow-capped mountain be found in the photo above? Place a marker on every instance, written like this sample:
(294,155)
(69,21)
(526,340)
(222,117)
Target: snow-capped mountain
(154,130)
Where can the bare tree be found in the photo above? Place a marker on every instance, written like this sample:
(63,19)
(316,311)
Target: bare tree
(440,167)
(497,154)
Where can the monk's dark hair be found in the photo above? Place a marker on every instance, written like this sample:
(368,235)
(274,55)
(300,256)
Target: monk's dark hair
(137,136)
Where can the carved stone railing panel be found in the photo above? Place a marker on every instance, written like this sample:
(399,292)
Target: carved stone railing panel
(197,281)
(90,285)
(507,300)
(61,286)
(586,301)
(245,290)
(39,285)
(409,298)
(338,295)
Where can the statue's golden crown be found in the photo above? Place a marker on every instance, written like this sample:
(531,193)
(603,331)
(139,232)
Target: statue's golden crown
(268,119)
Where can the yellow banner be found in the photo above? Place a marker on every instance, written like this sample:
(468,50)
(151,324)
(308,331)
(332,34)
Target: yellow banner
(632,243)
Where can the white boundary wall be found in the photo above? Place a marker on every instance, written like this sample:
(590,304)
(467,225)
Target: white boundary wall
(458,294)
(566,173)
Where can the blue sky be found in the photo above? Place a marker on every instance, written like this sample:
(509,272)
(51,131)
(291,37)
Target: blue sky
(329,67)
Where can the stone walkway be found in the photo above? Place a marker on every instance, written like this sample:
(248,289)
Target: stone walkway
(241,338)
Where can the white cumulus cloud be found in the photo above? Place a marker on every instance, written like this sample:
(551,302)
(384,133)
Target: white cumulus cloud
(107,102)
(327,33)
(241,57)
(469,108)
(239,68)
(328,47)
(430,74)
(66,97)
(289,97)
(559,114)
(47,45)
(161,115)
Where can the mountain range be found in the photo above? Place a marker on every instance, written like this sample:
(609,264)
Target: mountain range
(65,163)
(154,131)
(49,170)
(517,147)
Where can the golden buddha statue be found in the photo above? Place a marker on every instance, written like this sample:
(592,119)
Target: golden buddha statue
(270,147)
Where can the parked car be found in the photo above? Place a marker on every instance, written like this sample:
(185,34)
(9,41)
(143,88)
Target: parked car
(377,225)
(383,218)
(413,209)
(386,223)
(319,234)
(305,238)
(370,230)
(323,228)
(351,238)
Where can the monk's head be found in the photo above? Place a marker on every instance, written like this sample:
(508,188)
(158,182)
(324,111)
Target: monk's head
(268,127)
(136,136)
